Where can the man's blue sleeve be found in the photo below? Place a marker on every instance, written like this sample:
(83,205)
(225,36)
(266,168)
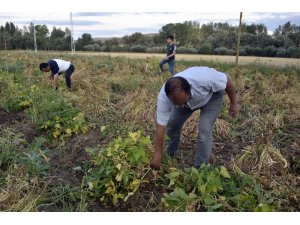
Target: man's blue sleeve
(54,67)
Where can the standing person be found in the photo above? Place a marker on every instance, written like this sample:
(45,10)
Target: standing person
(170,58)
(196,88)
(57,67)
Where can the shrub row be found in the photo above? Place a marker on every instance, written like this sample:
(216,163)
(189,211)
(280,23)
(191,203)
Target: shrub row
(270,51)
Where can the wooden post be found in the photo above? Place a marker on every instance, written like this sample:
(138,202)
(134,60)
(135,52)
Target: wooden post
(238,40)
(147,64)
(237,69)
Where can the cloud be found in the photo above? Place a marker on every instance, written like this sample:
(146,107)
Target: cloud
(273,20)
(62,22)
(101,33)
(86,14)
(104,24)
(142,30)
(5,17)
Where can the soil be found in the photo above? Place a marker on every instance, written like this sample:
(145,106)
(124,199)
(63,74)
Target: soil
(8,118)
(20,123)
(66,163)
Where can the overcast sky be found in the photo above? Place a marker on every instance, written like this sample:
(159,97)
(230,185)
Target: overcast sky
(117,24)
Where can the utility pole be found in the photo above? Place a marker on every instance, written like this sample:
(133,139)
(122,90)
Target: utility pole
(238,41)
(72,35)
(34,37)
(4,40)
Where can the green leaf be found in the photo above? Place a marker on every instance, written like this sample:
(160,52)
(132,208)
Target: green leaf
(172,176)
(264,208)
(102,128)
(136,155)
(119,177)
(217,206)
(208,200)
(145,140)
(119,166)
(55,134)
(224,172)
(202,188)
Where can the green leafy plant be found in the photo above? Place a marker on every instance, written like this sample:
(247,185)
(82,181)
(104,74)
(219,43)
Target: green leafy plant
(45,107)
(15,97)
(119,169)
(213,189)
(179,200)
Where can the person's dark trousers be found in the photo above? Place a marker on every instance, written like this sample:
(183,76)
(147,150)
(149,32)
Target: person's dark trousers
(208,117)
(171,63)
(69,72)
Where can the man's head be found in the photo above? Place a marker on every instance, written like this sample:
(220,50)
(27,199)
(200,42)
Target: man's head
(170,39)
(45,67)
(178,90)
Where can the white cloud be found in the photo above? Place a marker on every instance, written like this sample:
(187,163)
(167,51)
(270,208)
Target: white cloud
(119,24)
(150,6)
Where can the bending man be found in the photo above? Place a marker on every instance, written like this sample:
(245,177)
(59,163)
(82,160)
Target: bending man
(196,88)
(57,67)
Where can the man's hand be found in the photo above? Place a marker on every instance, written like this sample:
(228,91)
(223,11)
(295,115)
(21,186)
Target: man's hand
(156,161)
(230,90)
(233,109)
(158,146)
(54,81)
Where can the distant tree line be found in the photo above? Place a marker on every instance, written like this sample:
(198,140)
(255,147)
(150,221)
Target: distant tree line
(190,37)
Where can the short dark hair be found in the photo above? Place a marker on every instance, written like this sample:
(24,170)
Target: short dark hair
(43,66)
(171,37)
(176,84)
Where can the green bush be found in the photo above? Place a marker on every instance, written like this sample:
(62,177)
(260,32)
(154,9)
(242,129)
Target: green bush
(185,50)
(117,48)
(270,51)
(89,47)
(158,49)
(254,51)
(104,49)
(281,52)
(205,49)
(138,48)
(294,52)
(223,51)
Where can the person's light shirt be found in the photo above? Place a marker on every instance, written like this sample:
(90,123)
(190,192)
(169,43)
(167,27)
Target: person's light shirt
(204,80)
(59,66)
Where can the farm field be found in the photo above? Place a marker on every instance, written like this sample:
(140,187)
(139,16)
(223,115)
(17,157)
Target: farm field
(243,60)
(89,149)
